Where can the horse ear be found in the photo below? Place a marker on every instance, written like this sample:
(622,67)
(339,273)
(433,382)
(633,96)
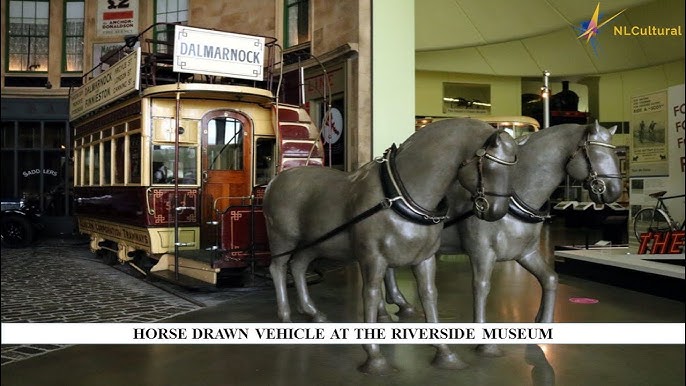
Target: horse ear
(522,140)
(595,127)
(612,129)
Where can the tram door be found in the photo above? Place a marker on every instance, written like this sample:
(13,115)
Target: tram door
(225,165)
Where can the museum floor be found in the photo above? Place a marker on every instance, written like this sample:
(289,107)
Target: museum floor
(514,298)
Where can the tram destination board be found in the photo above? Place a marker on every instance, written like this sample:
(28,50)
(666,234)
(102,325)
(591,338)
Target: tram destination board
(117,81)
(218,53)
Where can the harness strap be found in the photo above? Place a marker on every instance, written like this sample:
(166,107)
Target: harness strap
(459,218)
(386,203)
(403,204)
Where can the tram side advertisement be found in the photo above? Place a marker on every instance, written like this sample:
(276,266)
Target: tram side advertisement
(117,81)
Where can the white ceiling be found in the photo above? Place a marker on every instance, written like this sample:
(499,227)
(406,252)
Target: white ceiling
(526,37)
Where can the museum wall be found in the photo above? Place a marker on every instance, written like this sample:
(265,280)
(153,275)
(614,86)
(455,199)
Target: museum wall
(616,89)
(505,92)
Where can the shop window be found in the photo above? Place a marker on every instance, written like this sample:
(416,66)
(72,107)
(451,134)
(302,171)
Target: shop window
(29,135)
(73,36)
(8,135)
(55,135)
(297,23)
(27,36)
(29,173)
(9,173)
(225,144)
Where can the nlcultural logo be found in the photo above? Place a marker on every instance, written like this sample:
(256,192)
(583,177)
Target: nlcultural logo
(590,29)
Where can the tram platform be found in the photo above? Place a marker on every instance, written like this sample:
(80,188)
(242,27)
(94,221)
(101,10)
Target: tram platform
(99,289)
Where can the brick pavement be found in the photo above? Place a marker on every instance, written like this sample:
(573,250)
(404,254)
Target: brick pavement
(60,281)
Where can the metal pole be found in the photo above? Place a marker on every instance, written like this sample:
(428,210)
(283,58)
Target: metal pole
(176,187)
(546,100)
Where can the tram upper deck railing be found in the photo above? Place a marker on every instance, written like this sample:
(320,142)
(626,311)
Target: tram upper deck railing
(167,53)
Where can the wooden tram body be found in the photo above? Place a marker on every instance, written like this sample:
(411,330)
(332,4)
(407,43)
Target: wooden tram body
(173,172)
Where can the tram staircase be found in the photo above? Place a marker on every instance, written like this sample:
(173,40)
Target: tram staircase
(299,144)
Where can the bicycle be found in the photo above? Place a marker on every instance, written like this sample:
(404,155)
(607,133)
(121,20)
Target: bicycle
(656,219)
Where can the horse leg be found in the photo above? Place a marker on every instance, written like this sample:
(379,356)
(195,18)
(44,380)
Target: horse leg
(482,269)
(547,277)
(298,269)
(372,275)
(425,273)
(394,296)
(278,269)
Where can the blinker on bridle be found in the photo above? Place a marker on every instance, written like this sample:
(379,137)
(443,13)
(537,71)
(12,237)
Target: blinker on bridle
(593,180)
(480,202)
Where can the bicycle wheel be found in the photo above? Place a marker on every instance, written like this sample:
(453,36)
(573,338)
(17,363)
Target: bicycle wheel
(651,220)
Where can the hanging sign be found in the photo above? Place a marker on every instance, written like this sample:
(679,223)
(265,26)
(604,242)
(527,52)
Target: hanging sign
(333,126)
(218,53)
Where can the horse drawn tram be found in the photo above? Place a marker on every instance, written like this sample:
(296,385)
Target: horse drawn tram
(173,146)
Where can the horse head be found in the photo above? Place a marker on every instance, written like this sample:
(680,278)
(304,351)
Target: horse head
(595,162)
(487,176)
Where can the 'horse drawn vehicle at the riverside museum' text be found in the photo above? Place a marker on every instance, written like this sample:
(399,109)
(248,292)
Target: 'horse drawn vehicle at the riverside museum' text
(173,145)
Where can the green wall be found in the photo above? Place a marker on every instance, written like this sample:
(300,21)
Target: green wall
(393,83)
(506,98)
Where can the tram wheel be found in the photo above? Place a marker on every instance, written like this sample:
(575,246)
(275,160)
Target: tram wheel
(17,232)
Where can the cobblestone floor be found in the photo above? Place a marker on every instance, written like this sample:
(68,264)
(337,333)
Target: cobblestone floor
(61,281)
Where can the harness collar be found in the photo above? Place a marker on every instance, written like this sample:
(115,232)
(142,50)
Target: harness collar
(524,212)
(398,199)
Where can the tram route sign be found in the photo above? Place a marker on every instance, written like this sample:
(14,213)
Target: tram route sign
(119,80)
(218,53)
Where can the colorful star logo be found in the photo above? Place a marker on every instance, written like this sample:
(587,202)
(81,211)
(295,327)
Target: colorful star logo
(589,30)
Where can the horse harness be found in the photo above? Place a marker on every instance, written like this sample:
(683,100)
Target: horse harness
(398,199)
(593,180)
(519,209)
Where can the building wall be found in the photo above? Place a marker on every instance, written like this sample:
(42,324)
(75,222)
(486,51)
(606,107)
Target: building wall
(255,17)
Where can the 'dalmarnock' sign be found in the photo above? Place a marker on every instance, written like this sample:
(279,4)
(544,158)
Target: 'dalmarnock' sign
(120,79)
(218,53)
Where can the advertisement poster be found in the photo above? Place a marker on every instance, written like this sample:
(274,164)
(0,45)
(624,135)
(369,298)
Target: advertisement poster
(117,18)
(649,139)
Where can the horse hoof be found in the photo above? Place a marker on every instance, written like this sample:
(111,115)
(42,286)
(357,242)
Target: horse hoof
(448,361)
(489,350)
(319,318)
(377,366)
(406,313)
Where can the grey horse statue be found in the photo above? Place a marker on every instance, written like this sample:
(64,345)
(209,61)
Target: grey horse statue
(583,152)
(388,213)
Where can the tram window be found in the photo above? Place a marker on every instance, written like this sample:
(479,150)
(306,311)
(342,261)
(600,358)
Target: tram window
(265,167)
(225,144)
(86,166)
(119,160)
(163,164)
(96,164)
(135,158)
(119,129)
(77,162)
(107,162)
